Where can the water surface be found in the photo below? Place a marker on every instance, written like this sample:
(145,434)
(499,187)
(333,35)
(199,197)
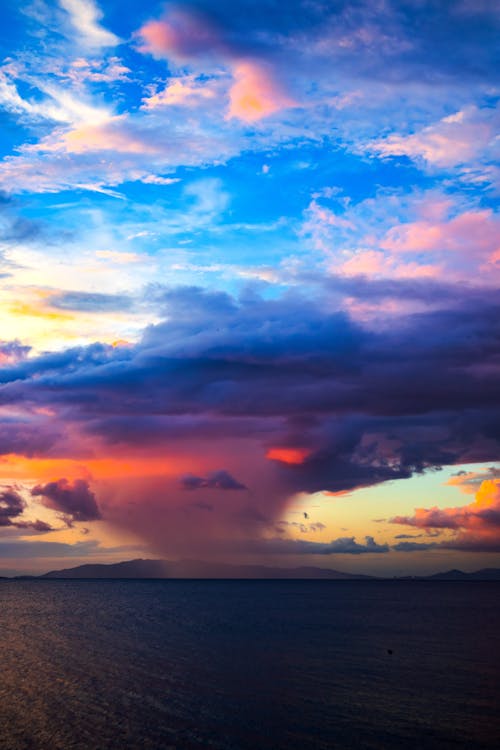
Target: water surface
(249,665)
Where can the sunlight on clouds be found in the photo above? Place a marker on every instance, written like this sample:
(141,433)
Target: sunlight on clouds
(262,310)
(85,16)
(288,455)
(254,94)
(454,140)
(184,91)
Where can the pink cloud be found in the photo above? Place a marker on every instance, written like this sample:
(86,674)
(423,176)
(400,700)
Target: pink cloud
(472,234)
(105,138)
(470,481)
(182,36)
(182,91)
(435,239)
(186,37)
(255,94)
(456,139)
(480,520)
(207,519)
(115,134)
(375,263)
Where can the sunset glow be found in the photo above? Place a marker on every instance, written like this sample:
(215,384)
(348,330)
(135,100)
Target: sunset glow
(249,275)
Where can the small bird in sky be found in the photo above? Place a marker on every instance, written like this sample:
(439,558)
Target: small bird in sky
(306,516)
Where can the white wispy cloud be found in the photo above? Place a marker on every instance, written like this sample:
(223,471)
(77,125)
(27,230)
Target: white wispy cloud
(85,16)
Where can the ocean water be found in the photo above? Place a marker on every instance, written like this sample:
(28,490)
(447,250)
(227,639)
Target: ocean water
(250,665)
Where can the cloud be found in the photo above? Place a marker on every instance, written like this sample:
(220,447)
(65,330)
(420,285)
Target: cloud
(471,232)
(113,135)
(470,482)
(341,546)
(184,91)
(52,101)
(188,35)
(227,379)
(415,546)
(476,526)
(456,139)
(109,70)
(12,507)
(12,351)
(304,528)
(152,179)
(72,159)
(288,455)
(363,404)
(182,35)
(255,94)
(76,500)
(85,15)
(29,434)
(216,480)
(26,549)
(91,301)
(426,234)
(202,506)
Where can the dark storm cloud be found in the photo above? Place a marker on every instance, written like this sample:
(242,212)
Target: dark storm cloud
(28,437)
(76,500)
(365,403)
(216,480)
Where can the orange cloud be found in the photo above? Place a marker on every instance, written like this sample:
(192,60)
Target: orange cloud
(254,94)
(188,36)
(288,455)
(469,482)
(110,136)
(480,518)
(17,467)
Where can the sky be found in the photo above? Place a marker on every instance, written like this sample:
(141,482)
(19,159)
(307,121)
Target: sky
(249,269)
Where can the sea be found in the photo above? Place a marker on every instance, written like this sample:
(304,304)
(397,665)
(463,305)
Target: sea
(249,665)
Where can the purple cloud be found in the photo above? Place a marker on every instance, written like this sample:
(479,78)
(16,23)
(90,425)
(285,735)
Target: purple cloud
(216,480)
(76,500)
(12,507)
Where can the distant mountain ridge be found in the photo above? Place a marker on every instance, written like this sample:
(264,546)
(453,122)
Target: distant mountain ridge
(197,569)
(193,569)
(485,574)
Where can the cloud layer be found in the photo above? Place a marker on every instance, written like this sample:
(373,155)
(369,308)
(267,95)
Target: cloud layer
(250,269)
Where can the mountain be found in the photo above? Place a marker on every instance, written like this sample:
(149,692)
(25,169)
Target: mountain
(194,569)
(485,574)
(199,569)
